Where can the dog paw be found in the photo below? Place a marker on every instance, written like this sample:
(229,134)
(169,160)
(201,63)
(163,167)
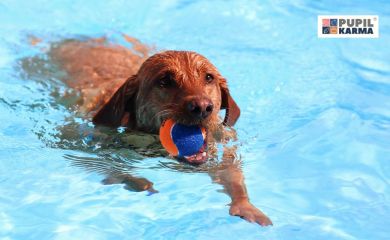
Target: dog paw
(131,183)
(250,213)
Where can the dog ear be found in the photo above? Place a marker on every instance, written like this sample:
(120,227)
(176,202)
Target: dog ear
(120,109)
(227,102)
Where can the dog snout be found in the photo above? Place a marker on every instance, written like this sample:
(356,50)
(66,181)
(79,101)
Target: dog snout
(200,107)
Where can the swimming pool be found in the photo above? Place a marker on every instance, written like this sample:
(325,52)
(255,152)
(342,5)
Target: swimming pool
(314,129)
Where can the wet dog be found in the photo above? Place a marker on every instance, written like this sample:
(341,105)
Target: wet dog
(125,87)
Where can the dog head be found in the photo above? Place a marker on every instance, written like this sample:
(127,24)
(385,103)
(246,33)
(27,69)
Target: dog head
(180,85)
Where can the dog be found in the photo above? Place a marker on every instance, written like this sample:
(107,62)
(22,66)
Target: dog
(127,87)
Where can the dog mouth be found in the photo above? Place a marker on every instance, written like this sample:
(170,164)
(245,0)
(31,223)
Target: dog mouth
(192,122)
(201,156)
(184,118)
(197,158)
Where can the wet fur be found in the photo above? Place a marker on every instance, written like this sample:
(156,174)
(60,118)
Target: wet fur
(119,87)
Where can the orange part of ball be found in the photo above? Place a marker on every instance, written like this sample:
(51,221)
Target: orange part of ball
(204,133)
(166,138)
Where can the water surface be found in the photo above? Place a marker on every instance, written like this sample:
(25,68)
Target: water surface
(314,129)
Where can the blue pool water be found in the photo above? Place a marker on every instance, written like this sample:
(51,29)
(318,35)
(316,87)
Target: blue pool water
(314,131)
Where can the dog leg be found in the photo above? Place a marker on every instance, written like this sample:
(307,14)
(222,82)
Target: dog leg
(230,176)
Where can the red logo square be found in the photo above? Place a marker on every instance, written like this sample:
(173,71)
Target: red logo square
(326,22)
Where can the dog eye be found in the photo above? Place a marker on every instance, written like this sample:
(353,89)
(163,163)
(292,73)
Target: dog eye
(209,78)
(166,81)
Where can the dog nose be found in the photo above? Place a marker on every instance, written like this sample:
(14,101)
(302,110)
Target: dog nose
(200,107)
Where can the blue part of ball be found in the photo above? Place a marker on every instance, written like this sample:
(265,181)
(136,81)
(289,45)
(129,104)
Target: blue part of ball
(188,139)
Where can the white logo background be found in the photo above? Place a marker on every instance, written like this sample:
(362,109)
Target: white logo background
(374,21)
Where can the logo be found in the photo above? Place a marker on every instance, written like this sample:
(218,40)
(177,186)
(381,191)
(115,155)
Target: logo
(359,26)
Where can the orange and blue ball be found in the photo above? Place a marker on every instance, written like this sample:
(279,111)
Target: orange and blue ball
(182,140)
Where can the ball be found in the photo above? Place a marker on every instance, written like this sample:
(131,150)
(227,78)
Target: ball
(181,140)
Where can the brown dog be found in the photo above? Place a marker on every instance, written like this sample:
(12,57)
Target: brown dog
(122,87)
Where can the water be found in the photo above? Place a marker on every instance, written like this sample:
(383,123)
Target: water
(314,130)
